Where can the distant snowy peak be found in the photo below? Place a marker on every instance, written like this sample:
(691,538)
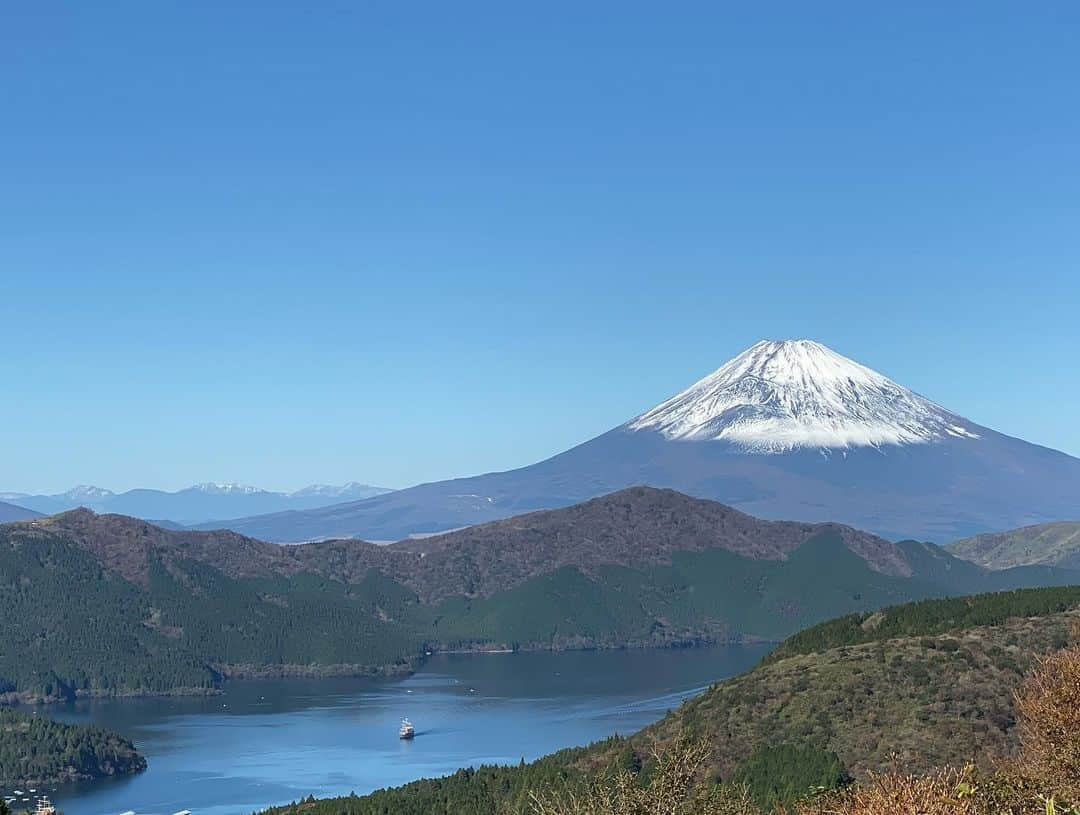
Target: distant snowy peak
(778,396)
(227,488)
(86,492)
(351,489)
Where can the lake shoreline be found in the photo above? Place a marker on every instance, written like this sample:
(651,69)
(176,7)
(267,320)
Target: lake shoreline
(269,741)
(229,673)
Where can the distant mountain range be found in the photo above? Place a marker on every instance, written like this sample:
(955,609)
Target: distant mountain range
(1056,544)
(111,604)
(11,512)
(787,429)
(194,504)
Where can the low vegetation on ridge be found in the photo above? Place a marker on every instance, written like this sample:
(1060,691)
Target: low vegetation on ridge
(928,617)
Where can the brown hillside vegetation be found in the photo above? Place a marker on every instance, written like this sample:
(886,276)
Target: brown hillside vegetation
(635,527)
(1053,544)
(930,701)
(1043,778)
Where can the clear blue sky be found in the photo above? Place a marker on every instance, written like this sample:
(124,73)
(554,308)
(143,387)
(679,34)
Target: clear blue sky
(282,243)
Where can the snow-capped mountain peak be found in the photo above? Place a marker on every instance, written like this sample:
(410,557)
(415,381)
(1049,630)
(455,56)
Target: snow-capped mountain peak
(781,395)
(348,490)
(86,491)
(217,488)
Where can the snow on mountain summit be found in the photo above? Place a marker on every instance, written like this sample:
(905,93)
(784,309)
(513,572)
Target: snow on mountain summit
(226,488)
(348,490)
(777,396)
(87,492)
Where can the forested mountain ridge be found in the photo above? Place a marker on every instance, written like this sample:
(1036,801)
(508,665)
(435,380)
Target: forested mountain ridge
(636,527)
(72,626)
(104,604)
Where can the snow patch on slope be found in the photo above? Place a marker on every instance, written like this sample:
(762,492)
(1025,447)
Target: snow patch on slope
(779,396)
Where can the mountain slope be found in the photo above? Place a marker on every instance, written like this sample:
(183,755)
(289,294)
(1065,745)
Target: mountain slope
(111,605)
(785,430)
(11,512)
(632,528)
(942,690)
(82,495)
(108,604)
(1055,544)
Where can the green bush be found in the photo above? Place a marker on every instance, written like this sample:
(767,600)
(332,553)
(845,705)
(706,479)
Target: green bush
(784,773)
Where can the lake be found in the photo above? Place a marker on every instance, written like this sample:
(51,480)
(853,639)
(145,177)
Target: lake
(271,742)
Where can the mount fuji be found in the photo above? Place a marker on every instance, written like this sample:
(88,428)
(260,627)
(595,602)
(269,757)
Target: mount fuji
(787,429)
(776,397)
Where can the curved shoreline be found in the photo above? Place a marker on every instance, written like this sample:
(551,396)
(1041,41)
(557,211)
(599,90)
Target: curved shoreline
(346,670)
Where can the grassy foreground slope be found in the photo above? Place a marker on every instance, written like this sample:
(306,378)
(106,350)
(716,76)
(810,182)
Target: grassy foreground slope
(932,700)
(931,682)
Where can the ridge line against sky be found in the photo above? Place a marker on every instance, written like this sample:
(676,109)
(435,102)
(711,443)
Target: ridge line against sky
(277,246)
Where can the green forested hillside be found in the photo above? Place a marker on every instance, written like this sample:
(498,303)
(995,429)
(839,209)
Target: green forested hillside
(114,605)
(36,751)
(69,625)
(706,595)
(73,627)
(930,682)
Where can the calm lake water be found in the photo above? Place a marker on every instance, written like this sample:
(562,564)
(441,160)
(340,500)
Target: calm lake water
(271,742)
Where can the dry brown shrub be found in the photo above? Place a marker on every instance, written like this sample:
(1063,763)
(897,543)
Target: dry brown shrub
(1043,778)
(1048,707)
(949,792)
(1040,781)
(674,789)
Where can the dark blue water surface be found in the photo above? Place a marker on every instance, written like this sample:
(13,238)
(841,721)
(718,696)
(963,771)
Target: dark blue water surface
(271,742)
